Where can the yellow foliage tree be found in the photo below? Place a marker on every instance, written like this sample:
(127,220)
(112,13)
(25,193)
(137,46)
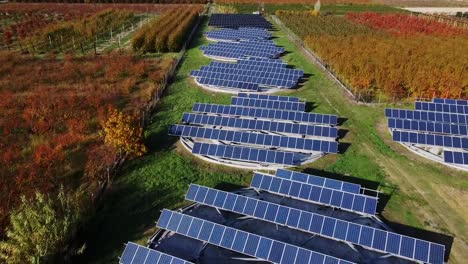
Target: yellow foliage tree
(122,132)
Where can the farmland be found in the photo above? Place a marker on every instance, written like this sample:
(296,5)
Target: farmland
(382,62)
(74,117)
(68,115)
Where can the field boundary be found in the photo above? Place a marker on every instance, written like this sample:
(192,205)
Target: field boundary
(316,59)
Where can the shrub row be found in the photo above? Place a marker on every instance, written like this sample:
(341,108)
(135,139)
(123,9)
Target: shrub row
(166,33)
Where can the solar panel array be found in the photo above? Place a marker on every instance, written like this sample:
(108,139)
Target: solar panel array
(326,226)
(136,254)
(256,66)
(239,20)
(359,203)
(250,244)
(439,123)
(272,250)
(256,129)
(243,33)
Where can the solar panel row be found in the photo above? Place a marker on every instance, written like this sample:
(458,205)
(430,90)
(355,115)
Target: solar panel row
(240,241)
(428,126)
(442,107)
(136,254)
(456,157)
(252,138)
(227,84)
(450,101)
(246,69)
(270,104)
(430,139)
(244,153)
(319,181)
(265,113)
(358,203)
(263,125)
(237,55)
(238,20)
(325,226)
(269,97)
(426,116)
(238,34)
(281,81)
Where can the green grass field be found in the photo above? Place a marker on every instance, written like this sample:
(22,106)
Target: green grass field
(422,194)
(333,9)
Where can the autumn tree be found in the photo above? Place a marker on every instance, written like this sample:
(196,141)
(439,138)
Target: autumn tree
(40,229)
(122,132)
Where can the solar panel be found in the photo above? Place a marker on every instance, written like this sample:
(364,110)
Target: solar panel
(239,34)
(357,203)
(428,126)
(261,125)
(430,139)
(319,181)
(239,20)
(456,157)
(258,67)
(308,145)
(232,76)
(136,254)
(244,153)
(271,104)
(240,241)
(442,107)
(269,97)
(265,113)
(308,222)
(426,116)
(450,101)
(228,84)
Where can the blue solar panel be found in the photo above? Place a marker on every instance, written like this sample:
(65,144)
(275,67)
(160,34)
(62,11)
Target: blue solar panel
(239,20)
(450,101)
(269,97)
(136,254)
(258,70)
(426,116)
(228,84)
(456,157)
(325,226)
(262,125)
(361,204)
(430,139)
(237,240)
(265,113)
(428,126)
(244,153)
(271,104)
(319,181)
(308,145)
(239,34)
(230,76)
(441,107)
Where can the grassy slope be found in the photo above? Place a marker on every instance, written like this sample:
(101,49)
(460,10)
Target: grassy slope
(160,179)
(335,9)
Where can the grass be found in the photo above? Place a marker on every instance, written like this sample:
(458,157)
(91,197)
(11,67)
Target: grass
(333,9)
(417,188)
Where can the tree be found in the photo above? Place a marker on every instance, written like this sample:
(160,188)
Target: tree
(40,229)
(123,133)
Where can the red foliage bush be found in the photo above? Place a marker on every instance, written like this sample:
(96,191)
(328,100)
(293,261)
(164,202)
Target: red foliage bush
(50,117)
(405,25)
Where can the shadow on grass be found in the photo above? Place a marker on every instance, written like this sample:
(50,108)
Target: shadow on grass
(124,213)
